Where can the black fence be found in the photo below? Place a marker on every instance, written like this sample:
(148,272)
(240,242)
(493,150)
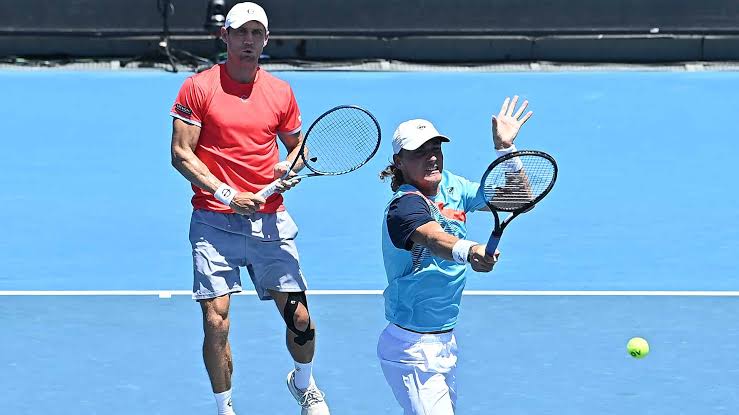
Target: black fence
(425,30)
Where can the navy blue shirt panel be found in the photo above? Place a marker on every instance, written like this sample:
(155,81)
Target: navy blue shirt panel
(404,216)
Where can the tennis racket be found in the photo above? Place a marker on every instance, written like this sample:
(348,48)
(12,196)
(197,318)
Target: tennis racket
(341,140)
(515,183)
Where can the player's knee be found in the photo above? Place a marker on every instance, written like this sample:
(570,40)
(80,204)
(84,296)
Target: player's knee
(297,317)
(301,319)
(216,325)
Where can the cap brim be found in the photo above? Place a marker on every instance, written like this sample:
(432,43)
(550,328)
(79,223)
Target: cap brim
(414,146)
(236,25)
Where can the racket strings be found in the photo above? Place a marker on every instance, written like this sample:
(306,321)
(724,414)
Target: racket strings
(508,190)
(341,141)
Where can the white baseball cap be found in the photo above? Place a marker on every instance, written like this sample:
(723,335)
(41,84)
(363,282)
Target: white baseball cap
(241,13)
(412,134)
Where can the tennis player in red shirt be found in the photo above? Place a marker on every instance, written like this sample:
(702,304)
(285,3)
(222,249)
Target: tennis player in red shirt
(225,124)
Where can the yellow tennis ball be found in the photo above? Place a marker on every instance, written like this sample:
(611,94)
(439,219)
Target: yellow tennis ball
(638,347)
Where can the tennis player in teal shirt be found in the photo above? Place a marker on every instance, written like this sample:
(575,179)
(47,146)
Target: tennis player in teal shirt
(425,254)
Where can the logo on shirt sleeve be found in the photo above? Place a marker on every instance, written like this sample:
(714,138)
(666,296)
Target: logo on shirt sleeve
(183,109)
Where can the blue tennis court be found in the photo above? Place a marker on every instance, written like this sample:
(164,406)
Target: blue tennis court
(638,238)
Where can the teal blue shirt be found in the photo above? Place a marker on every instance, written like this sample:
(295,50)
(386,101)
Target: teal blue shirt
(424,292)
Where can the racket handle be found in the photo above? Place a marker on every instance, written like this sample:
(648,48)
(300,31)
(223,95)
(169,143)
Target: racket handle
(269,190)
(492,244)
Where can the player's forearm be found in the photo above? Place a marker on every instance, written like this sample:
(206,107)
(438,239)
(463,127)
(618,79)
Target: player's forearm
(440,244)
(194,170)
(295,154)
(447,246)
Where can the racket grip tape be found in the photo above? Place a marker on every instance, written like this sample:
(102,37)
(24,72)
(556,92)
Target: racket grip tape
(492,244)
(269,190)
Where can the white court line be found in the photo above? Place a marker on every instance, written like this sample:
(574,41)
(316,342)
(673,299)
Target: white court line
(554,293)
(64,293)
(596,293)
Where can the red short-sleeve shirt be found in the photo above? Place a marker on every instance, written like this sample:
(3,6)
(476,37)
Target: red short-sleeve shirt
(239,125)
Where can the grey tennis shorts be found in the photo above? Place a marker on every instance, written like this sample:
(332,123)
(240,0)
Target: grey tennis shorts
(264,243)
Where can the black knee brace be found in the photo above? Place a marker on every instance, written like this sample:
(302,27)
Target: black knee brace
(291,305)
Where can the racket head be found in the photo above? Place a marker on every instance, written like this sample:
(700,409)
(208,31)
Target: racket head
(517,181)
(341,140)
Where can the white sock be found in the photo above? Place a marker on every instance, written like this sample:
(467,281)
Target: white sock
(225,406)
(303,375)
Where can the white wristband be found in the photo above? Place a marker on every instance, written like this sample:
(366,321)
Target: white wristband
(225,194)
(504,151)
(461,250)
(513,165)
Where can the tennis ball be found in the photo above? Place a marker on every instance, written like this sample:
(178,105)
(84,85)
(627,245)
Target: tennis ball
(638,347)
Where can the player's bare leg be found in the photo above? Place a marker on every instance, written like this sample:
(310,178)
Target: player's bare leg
(217,350)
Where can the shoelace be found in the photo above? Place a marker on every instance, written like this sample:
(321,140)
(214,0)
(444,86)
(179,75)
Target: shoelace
(312,395)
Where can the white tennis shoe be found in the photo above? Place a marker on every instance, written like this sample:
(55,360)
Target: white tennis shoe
(310,399)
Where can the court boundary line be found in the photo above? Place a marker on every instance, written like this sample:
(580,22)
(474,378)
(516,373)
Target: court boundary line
(501,293)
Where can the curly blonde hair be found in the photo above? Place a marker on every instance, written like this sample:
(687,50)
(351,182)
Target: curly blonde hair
(395,174)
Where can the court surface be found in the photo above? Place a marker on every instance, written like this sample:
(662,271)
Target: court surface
(638,238)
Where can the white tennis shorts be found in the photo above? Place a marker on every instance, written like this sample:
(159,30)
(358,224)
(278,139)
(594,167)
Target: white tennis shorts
(264,243)
(420,369)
